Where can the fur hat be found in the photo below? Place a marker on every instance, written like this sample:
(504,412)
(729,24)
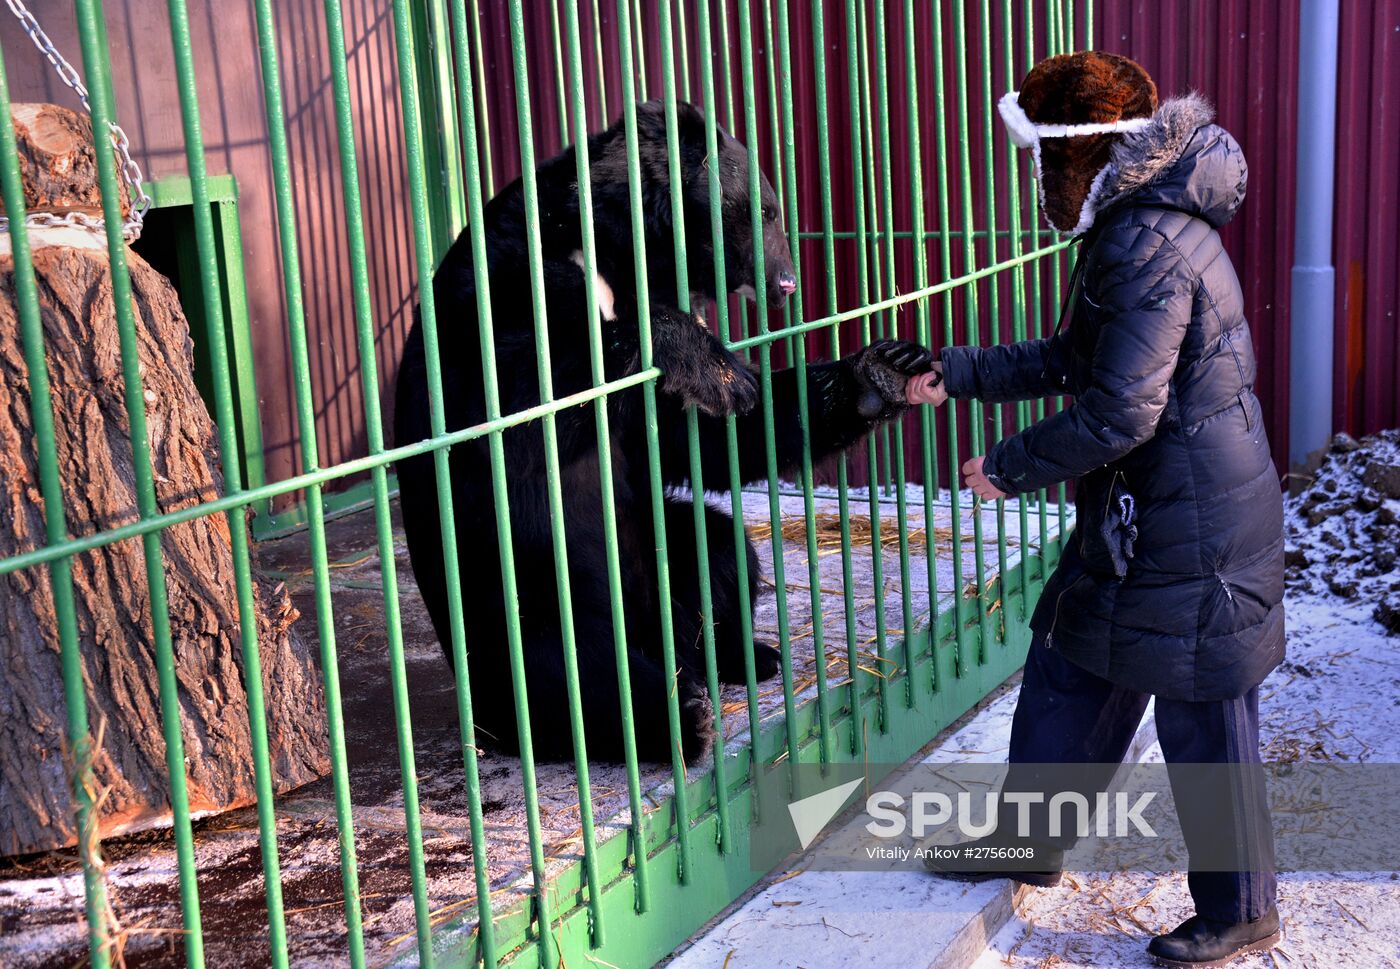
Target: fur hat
(1087,88)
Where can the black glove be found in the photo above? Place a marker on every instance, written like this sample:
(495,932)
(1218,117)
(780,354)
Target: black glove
(881,370)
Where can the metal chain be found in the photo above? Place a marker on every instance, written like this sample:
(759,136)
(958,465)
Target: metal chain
(130,171)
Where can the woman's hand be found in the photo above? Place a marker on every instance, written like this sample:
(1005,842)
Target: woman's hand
(927,388)
(883,372)
(978,482)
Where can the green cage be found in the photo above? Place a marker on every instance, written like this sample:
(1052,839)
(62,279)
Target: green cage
(940,242)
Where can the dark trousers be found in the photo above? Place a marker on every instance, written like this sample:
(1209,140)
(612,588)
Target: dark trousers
(1067,715)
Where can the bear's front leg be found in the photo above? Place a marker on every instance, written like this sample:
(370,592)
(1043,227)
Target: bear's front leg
(697,367)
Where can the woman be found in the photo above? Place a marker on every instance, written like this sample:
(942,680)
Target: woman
(1172,584)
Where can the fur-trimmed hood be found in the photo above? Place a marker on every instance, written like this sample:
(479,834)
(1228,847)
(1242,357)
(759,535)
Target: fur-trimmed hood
(1180,161)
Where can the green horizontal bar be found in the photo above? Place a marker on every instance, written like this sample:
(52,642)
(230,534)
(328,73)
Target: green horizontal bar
(369,462)
(930,235)
(176,190)
(870,309)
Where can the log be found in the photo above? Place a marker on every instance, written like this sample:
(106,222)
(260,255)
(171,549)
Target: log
(57,161)
(113,603)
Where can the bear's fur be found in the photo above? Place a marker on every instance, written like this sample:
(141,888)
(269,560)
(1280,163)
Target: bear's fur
(696,367)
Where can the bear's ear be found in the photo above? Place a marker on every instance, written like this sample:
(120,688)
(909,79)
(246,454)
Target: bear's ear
(691,123)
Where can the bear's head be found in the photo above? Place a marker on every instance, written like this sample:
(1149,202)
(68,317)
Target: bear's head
(732,164)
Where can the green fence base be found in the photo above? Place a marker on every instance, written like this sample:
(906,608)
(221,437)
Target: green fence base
(681,905)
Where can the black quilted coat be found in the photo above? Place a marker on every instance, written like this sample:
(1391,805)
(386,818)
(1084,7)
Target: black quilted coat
(1172,582)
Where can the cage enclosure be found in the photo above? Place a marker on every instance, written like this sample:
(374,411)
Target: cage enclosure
(337,156)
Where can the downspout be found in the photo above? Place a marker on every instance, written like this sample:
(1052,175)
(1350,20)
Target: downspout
(1314,279)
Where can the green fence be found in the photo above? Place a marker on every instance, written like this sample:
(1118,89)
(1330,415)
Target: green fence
(977,271)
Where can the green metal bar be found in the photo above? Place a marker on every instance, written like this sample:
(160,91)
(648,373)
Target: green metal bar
(374,429)
(472,157)
(929,235)
(233,483)
(80,739)
(609,510)
(560,93)
(483,113)
(1018,295)
(857,688)
(697,492)
(945,260)
(868,332)
(896,431)
(447,204)
(229,255)
(600,67)
(727,68)
(928,430)
(683,55)
(739,326)
(1059,44)
(880,440)
(775,515)
(970,303)
(673,168)
(437,417)
(776,136)
(789,127)
(638,33)
(829,273)
(90,33)
(544,371)
(306,421)
(990,188)
(640,861)
(1035,326)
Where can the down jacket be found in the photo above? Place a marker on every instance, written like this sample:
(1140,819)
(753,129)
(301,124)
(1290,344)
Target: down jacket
(1172,583)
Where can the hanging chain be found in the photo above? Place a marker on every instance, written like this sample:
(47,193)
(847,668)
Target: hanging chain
(130,171)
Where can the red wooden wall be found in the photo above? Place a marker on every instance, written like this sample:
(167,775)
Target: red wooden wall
(1240,53)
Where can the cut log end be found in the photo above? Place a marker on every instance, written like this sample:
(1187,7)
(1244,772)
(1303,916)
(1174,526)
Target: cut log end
(58,162)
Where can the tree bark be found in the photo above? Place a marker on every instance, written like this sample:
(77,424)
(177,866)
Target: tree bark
(113,603)
(57,161)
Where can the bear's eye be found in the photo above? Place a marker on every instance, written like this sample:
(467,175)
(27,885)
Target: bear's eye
(770,213)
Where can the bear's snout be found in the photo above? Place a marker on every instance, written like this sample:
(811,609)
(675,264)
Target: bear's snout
(787,283)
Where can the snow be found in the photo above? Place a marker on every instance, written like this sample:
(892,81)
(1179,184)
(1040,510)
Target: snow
(1343,530)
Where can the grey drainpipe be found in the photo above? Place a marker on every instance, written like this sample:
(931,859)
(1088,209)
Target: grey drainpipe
(1310,349)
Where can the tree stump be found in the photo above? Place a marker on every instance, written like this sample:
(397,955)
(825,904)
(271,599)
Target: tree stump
(113,602)
(58,161)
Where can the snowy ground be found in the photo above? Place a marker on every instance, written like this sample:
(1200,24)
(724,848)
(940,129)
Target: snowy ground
(1336,697)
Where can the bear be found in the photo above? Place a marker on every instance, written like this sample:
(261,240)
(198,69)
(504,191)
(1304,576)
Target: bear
(847,398)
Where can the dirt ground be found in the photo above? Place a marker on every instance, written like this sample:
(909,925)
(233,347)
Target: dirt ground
(41,897)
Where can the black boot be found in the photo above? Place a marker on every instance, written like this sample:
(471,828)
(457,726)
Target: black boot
(1200,941)
(992,857)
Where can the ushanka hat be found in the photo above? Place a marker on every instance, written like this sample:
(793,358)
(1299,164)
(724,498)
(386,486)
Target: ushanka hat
(1070,111)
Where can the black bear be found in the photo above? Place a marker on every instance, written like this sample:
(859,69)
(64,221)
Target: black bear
(846,399)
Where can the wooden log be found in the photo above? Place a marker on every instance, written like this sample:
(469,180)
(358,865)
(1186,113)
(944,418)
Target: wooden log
(113,604)
(57,161)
